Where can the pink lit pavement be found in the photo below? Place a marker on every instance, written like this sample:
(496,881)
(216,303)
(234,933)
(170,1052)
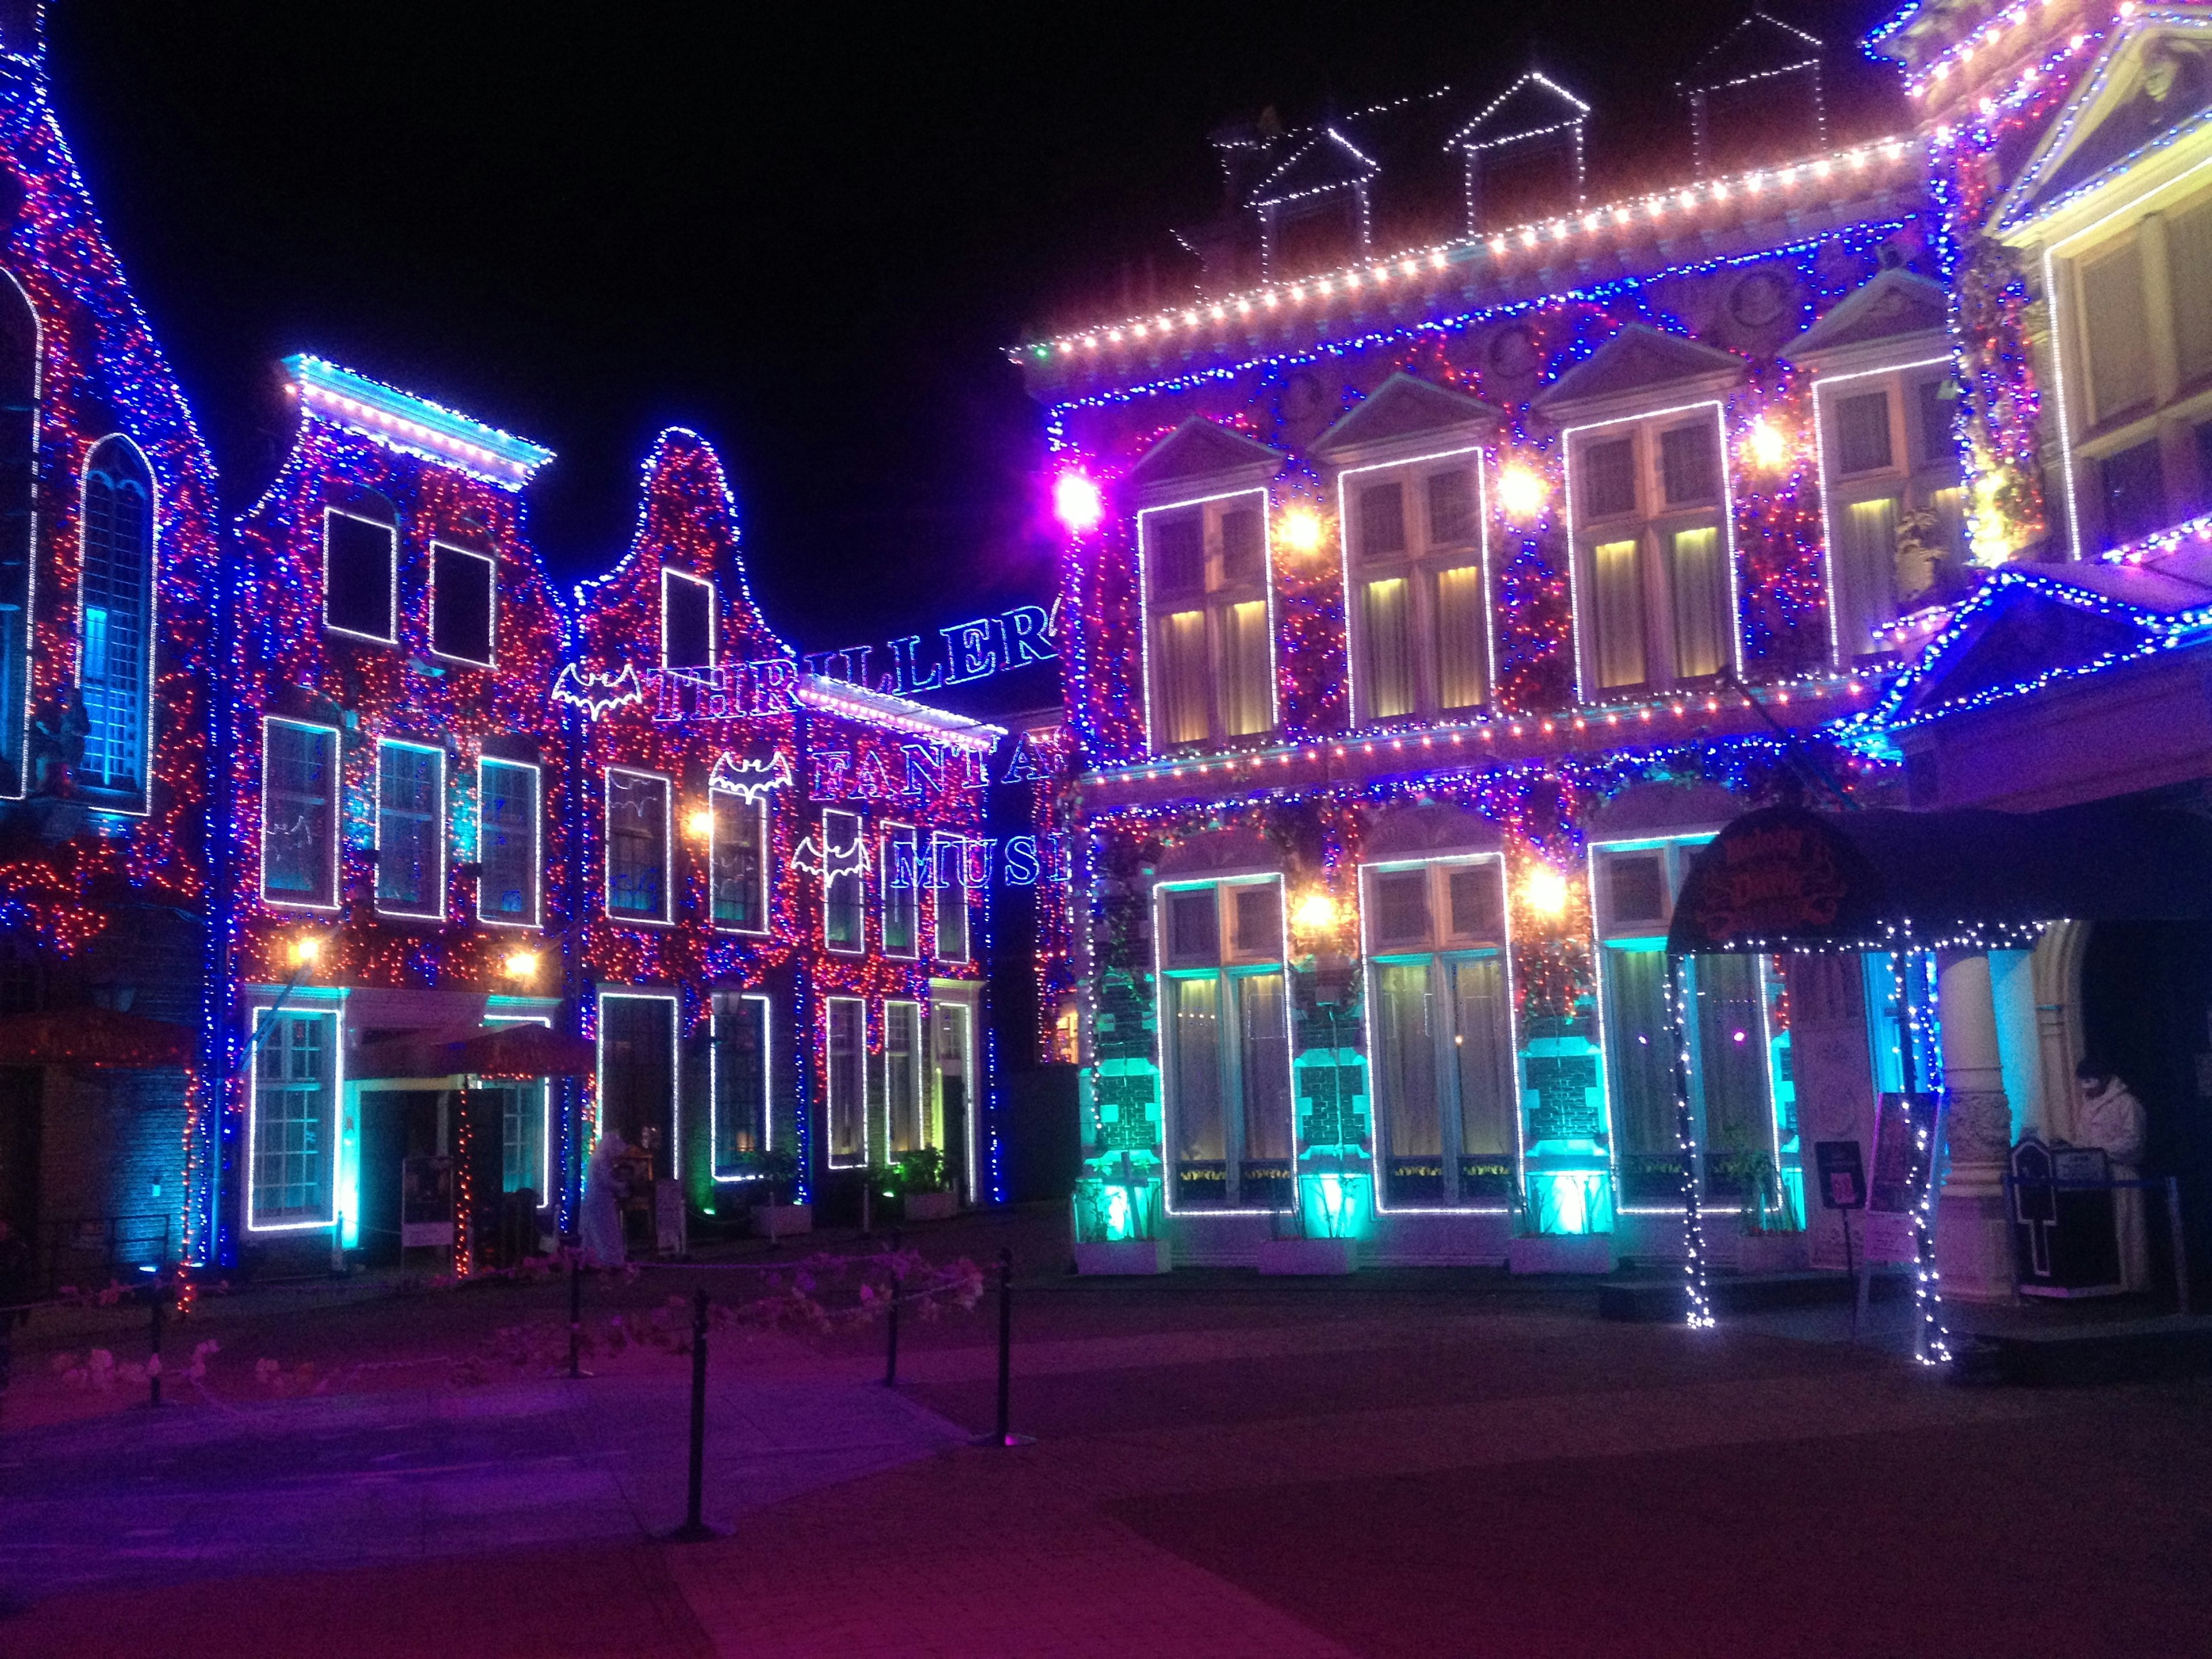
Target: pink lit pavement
(1409,1464)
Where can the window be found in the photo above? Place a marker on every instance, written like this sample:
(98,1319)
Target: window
(1227,1037)
(462,604)
(902,893)
(117,592)
(687,621)
(410,840)
(949,871)
(637,846)
(299,814)
(902,1078)
(1895,512)
(1654,597)
(848,1106)
(637,1074)
(293,1068)
(844,882)
(2134,489)
(19,477)
(1413,573)
(1727,1035)
(1210,658)
(739,855)
(359,575)
(507,845)
(2113,330)
(741,1082)
(1443,1066)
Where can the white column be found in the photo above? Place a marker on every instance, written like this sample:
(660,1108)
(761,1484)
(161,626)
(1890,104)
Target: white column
(1973,1240)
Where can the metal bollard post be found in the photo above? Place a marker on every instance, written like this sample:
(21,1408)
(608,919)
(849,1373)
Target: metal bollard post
(153,1370)
(695,1529)
(890,1345)
(1005,1435)
(576,1371)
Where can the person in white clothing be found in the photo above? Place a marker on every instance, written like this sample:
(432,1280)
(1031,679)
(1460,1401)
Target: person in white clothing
(602,1211)
(2112,1117)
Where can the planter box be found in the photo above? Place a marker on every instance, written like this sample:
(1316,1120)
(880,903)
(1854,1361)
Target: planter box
(781,1220)
(1126,1255)
(1309,1255)
(1770,1253)
(1560,1253)
(930,1206)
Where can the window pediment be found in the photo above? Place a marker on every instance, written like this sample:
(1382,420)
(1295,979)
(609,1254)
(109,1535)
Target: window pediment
(1405,412)
(1639,365)
(1203,450)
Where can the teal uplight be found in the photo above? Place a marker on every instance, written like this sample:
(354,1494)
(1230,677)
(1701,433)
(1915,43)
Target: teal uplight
(1570,1201)
(1336,1203)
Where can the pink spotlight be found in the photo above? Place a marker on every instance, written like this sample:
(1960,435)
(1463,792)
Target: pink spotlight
(1077,501)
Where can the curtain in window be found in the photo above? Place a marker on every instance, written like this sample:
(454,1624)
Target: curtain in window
(1619,615)
(1484,1051)
(902,1074)
(2113,329)
(1463,655)
(119,557)
(1412,1127)
(1866,572)
(1385,622)
(1181,674)
(1245,705)
(1704,618)
(1949,508)
(1731,1052)
(2188,275)
(1636,1034)
(1265,1066)
(1193,1015)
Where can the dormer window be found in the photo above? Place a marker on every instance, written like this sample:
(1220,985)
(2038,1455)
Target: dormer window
(1655,598)
(463,603)
(1418,617)
(687,621)
(1212,658)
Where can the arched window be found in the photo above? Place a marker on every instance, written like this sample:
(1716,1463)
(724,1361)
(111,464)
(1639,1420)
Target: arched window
(117,641)
(19,452)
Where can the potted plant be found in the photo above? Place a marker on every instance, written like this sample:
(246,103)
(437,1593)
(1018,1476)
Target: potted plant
(1326,1239)
(774,1177)
(1117,1218)
(924,1193)
(1769,1236)
(1544,1240)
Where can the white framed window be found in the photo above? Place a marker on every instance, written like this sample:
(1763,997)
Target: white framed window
(300,810)
(1651,515)
(739,857)
(740,1063)
(1225,1045)
(1440,1032)
(901,892)
(463,604)
(845,1052)
(948,878)
(844,883)
(1204,566)
(410,830)
(640,1077)
(906,1125)
(1727,1029)
(509,880)
(292,1144)
(687,620)
(525,1125)
(118,604)
(361,576)
(1891,494)
(1415,539)
(637,846)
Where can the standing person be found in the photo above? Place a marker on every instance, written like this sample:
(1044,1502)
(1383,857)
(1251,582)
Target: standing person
(2112,1117)
(603,1228)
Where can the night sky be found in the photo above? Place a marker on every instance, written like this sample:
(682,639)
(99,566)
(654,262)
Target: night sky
(807,232)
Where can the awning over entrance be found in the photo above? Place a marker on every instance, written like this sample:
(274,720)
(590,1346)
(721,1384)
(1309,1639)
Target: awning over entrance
(93,1036)
(505,1051)
(1784,878)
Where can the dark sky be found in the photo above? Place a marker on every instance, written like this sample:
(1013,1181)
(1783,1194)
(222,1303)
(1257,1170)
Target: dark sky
(805,231)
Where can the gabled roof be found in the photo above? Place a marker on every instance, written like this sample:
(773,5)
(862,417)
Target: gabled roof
(1531,107)
(2152,84)
(1326,160)
(1635,360)
(1896,303)
(1403,407)
(1200,448)
(1759,46)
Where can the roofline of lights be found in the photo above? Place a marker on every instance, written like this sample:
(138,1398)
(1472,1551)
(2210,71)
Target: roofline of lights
(383,412)
(857,702)
(1651,208)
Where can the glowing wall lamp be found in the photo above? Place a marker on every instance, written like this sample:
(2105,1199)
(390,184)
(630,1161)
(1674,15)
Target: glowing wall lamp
(1299,528)
(1077,502)
(520,966)
(1544,891)
(1764,445)
(1523,491)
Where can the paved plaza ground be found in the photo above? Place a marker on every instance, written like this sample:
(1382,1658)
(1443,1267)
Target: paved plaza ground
(1410,1463)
